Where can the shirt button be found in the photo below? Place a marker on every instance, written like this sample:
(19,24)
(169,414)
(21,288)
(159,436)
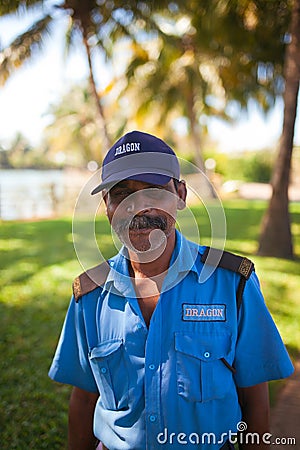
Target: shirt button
(206,355)
(151,366)
(152,418)
(139,326)
(103,370)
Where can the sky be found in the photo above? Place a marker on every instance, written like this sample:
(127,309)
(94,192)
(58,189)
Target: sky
(27,95)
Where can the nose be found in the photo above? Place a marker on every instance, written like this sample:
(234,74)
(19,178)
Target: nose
(130,208)
(138,202)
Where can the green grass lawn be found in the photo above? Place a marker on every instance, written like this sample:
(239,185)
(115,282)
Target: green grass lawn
(38,264)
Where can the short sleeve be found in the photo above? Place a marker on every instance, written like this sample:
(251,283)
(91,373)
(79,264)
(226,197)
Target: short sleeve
(70,364)
(260,353)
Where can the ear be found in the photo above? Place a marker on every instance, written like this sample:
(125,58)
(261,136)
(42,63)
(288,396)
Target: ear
(182,193)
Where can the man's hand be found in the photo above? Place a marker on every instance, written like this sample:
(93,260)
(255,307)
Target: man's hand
(81,415)
(254,402)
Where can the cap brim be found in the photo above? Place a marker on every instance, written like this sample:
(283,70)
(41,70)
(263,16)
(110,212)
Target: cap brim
(103,186)
(151,178)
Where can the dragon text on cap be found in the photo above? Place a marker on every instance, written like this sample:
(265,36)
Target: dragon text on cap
(129,147)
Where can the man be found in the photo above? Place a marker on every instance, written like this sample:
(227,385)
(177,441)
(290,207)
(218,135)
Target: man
(157,357)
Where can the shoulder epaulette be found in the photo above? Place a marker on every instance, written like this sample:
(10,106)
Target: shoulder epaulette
(91,279)
(227,260)
(230,261)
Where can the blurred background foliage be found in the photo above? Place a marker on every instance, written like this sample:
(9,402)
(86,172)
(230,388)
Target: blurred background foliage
(173,66)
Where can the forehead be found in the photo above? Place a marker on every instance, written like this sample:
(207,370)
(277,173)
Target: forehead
(135,185)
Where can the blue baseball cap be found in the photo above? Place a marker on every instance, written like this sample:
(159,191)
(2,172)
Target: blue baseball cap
(139,156)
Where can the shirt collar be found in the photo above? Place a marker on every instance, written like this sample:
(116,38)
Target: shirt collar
(182,262)
(118,278)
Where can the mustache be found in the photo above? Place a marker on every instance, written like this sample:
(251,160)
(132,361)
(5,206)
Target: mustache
(141,222)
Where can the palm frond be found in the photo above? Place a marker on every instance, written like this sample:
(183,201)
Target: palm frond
(71,33)
(22,48)
(11,7)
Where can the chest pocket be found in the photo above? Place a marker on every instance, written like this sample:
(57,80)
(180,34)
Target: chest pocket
(201,375)
(109,368)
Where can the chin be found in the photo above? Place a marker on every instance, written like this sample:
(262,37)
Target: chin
(140,242)
(145,240)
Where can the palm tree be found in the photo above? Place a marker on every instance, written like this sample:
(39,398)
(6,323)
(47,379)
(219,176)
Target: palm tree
(73,132)
(206,59)
(276,236)
(21,49)
(98,25)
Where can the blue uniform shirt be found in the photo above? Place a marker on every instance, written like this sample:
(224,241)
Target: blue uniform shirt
(170,384)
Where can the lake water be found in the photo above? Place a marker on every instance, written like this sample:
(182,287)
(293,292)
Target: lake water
(30,193)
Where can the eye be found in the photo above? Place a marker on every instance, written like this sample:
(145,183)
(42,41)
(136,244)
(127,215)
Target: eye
(119,194)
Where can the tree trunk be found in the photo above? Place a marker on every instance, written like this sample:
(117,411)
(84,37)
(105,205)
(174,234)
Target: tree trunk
(276,236)
(106,141)
(195,134)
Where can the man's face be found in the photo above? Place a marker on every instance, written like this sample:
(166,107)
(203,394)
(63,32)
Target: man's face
(136,209)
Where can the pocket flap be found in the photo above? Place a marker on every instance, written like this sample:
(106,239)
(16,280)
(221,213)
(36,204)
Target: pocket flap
(106,348)
(206,347)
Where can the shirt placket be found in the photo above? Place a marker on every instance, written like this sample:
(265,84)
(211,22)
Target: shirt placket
(153,379)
